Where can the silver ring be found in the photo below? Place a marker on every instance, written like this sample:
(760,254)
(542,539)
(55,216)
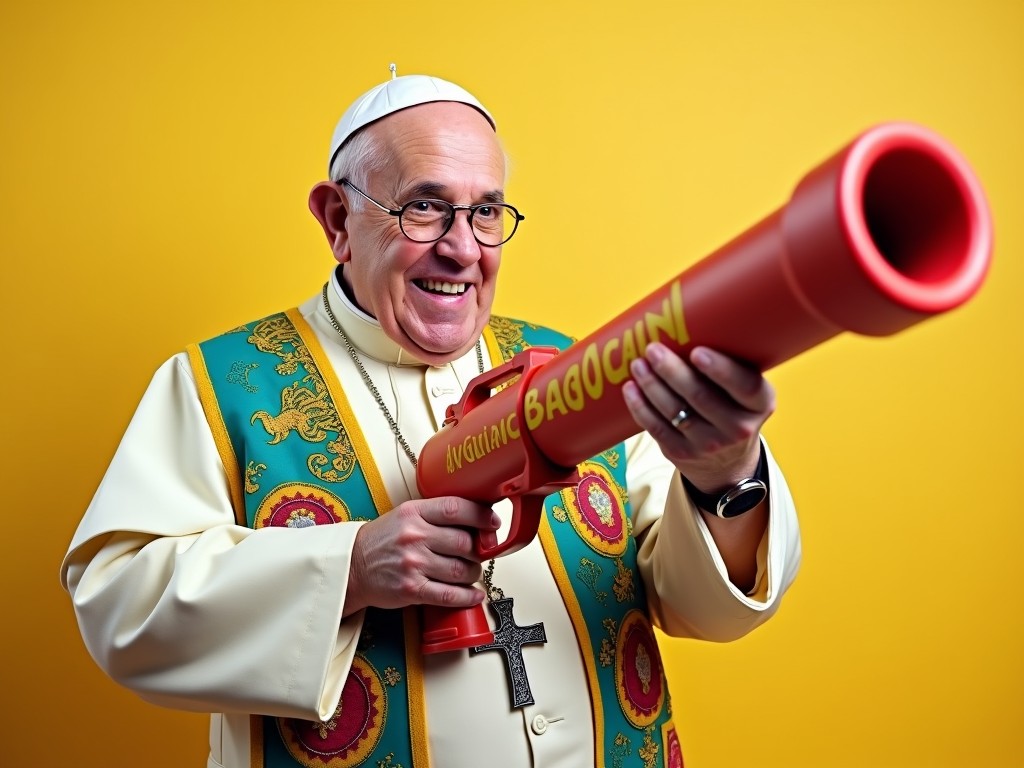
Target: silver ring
(680,418)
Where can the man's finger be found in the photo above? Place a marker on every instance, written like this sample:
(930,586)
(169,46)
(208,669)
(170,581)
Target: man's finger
(446,595)
(746,386)
(452,510)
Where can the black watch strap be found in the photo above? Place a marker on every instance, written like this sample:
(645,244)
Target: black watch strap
(742,497)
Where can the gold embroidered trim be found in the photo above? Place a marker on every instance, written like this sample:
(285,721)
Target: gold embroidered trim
(345,412)
(673,757)
(509,333)
(493,347)
(218,429)
(416,695)
(562,579)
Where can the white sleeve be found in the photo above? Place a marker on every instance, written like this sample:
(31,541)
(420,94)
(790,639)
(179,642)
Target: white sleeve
(185,607)
(688,587)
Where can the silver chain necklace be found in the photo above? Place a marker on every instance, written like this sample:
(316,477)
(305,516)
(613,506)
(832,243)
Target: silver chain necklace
(369,382)
(493,593)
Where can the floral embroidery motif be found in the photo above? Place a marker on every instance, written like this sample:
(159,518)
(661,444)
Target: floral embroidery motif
(324,729)
(392,676)
(253,472)
(607,653)
(341,466)
(612,457)
(622,749)
(589,572)
(272,334)
(623,586)
(509,334)
(239,374)
(649,750)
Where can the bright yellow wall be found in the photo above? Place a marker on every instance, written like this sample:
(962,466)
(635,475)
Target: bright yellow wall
(156,160)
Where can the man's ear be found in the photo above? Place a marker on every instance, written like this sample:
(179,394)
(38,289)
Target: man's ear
(328,205)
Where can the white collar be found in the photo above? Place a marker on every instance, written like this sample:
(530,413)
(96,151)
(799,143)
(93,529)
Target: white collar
(364,331)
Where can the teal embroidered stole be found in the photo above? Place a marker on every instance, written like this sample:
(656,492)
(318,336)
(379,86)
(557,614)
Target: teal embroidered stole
(296,457)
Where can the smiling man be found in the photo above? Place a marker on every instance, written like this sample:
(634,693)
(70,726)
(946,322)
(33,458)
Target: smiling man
(258,548)
(427,275)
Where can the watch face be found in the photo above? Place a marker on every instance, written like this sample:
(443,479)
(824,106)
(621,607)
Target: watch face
(742,498)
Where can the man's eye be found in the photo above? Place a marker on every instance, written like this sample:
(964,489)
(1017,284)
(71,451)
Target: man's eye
(425,210)
(486,212)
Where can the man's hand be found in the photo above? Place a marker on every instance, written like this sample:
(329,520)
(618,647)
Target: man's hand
(717,445)
(419,553)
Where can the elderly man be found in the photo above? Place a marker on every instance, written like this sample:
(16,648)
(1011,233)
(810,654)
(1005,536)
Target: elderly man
(258,548)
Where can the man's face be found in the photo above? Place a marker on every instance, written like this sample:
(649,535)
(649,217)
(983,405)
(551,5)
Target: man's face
(446,151)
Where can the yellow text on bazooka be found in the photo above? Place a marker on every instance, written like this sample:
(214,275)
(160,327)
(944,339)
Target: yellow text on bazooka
(602,363)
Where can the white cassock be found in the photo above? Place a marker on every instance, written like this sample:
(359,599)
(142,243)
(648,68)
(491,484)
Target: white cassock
(180,604)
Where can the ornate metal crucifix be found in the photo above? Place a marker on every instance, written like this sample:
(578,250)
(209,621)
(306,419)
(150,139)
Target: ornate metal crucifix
(509,638)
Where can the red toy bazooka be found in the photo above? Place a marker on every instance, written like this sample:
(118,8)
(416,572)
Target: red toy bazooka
(891,230)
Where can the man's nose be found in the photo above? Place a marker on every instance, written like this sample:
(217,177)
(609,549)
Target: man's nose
(459,243)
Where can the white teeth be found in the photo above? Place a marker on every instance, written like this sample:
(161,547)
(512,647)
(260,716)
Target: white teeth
(442,287)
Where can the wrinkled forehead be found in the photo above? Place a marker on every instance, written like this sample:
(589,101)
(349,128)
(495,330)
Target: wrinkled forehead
(439,141)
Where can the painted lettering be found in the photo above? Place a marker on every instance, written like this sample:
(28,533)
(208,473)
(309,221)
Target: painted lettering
(661,324)
(513,432)
(532,409)
(676,300)
(553,401)
(574,388)
(593,381)
(614,374)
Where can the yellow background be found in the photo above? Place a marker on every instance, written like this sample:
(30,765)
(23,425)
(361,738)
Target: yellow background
(156,161)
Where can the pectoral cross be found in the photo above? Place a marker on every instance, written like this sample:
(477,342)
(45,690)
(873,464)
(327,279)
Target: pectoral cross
(509,638)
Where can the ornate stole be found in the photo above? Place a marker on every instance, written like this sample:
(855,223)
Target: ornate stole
(260,383)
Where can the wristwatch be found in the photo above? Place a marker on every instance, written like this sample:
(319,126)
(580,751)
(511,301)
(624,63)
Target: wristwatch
(742,497)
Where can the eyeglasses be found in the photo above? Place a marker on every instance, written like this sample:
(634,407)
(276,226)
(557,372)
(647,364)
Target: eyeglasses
(424,221)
